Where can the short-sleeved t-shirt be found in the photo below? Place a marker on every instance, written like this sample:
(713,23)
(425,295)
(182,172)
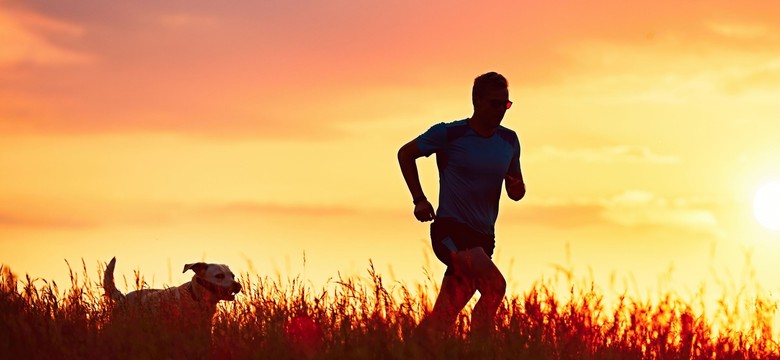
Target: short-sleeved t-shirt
(471,170)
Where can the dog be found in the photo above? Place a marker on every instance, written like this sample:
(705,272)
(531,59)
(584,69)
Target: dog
(182,313)
(210,284)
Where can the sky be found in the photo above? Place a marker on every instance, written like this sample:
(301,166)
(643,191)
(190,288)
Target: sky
(263,135)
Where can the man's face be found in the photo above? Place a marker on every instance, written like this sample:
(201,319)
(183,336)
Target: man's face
(492,106)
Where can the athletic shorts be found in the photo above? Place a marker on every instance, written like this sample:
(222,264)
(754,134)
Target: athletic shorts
(449,236)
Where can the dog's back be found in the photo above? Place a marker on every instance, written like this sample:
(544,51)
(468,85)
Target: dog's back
(143,296)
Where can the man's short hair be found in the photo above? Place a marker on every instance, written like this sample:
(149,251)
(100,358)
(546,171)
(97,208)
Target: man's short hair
(486,82)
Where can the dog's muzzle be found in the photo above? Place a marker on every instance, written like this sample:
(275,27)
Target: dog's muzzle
(229,293)
(234,290)
(222,293)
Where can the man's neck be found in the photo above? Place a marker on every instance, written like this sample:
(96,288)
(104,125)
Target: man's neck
(478,126)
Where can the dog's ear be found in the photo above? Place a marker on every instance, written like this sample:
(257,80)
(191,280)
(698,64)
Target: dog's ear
(198,268)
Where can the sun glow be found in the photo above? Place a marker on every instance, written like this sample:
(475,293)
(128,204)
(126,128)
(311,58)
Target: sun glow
(766,205)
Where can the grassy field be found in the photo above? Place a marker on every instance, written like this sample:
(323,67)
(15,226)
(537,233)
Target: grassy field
(366,318)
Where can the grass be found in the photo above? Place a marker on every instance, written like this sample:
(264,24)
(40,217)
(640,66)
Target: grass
(365,318)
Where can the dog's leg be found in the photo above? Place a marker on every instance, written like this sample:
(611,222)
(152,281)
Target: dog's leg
(109,287)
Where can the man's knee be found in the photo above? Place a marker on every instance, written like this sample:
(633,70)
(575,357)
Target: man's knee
(500,284)
(495,284)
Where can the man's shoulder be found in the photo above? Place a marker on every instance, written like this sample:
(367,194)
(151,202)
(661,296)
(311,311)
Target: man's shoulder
(453,129)
(457,128)
(507,134)
(439,135)
(448,126)
(504,129)
(455,124)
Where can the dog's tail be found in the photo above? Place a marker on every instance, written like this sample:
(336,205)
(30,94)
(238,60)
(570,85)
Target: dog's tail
(111,293)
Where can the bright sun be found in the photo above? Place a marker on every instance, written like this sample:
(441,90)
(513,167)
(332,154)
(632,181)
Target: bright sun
(766,205)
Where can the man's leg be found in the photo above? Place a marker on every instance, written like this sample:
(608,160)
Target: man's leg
(456,291)
(491,285)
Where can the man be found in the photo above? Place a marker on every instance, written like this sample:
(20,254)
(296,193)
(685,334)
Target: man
(474,157)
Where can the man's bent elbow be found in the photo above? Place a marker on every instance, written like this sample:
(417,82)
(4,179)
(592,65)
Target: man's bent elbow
(401,154)
(517,196)
(408,153)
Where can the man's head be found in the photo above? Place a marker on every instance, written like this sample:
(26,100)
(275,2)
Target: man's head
(490,96)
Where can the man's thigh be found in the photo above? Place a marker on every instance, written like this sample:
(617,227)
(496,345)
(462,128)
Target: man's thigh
(476,264)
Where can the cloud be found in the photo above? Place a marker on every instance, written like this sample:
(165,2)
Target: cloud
(26,40)
(185,20)
(284,210)
(610,154)
(200,70)
(285,70)
(685,53)
(55,215)
(630,209)
(761,77)
(559,215)
(639,208)
(739,30)
(42,219)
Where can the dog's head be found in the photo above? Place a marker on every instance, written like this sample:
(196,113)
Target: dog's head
(215,278)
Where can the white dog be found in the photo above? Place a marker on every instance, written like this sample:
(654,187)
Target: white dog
(196,299)
(172,323)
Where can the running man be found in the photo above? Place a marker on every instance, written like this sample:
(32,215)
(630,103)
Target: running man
(474,157)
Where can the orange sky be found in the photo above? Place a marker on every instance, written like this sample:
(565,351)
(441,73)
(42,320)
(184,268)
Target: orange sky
(249,133)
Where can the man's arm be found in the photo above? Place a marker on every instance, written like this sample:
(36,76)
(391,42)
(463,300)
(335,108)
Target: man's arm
(515,186)
(513,180)
(407,157)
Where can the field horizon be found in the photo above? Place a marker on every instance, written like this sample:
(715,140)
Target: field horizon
(367,317)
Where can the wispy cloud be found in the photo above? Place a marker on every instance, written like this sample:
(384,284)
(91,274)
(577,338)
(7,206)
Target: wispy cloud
(42,220)
(558,215)
(54,215)
(283,210)
(609,154)
(630,209)
(285,70)
(185,20)
(639,208)
(762,77)
(739,30)
(27,37)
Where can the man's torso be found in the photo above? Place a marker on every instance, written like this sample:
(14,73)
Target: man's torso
(471,170)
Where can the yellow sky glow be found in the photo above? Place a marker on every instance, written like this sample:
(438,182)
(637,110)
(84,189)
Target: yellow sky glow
(249,134)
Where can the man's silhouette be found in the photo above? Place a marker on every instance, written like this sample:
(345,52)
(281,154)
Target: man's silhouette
(474,156)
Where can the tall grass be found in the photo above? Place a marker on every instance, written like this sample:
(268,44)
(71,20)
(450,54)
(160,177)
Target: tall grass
(366,318)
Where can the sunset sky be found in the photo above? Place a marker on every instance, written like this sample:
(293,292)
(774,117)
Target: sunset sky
(250,132)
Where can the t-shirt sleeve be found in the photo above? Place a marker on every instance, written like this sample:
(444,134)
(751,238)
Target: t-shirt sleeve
(433,140)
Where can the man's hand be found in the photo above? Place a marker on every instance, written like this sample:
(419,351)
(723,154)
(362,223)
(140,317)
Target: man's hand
(423,211)
(515,187)
(407,155)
